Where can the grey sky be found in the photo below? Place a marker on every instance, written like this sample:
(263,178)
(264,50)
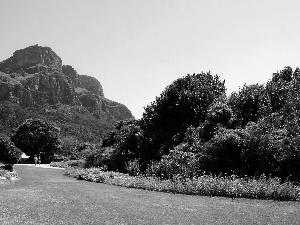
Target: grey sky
(135,48)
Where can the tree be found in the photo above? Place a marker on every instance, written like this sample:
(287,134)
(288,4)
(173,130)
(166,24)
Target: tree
(125,139)
(182,104)
(9,153)
(277,88)
(219,113)
(68,146)
(249,103)
(36,136)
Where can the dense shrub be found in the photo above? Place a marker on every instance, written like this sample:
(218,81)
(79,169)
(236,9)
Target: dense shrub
(222,154)
(82,150)
(9,153)
(127,144)
(9,175)
(133,167)
(99,157)
(68,147)
(177,164)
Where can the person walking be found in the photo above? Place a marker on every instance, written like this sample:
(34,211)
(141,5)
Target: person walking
(35,160)
(39,160)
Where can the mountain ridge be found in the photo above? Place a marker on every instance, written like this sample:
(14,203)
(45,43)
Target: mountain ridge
(35,78)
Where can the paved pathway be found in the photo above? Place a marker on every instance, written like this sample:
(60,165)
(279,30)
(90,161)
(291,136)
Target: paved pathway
(40,166)
(44,196)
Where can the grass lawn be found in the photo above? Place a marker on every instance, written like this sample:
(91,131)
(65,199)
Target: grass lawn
(45,196)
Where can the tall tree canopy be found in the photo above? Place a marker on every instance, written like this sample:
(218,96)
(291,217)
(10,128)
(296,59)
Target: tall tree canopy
(251,102)
(35,136)
(182,104)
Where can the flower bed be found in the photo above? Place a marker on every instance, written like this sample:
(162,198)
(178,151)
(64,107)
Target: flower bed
(6,175)
(229,186)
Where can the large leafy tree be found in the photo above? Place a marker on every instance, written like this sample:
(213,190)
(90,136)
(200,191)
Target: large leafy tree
(36,136)
(182,104)
(9,153)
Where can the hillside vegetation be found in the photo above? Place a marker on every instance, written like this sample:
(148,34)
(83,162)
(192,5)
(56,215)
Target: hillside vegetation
(193,127)
(34,83)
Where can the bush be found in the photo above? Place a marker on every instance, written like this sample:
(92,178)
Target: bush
(9,153)
(68,147)
(133,167)
(125,140)
(70,163)
(8,174)
(177,164)
(99,157)
(80,150)
(222,154)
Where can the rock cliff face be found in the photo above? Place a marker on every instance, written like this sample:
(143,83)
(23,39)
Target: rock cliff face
(32,60)
(35,77)
(37,89)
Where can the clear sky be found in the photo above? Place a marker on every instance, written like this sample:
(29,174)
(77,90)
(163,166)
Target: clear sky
(135,48)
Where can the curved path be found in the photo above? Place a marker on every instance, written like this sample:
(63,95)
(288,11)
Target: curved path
(45,196)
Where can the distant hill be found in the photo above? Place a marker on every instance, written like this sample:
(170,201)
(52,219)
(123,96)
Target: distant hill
(35,83)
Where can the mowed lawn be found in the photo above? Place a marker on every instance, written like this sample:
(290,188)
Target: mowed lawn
(45,196)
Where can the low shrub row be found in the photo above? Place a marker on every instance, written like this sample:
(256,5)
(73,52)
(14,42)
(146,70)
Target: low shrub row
(81,163)
(208,185)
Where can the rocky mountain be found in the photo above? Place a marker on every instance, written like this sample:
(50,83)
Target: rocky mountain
(35,83)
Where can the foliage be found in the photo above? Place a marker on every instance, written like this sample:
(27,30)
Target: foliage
(81,150)
(9,153)
(68,147)
(227,186)
(8,175)
(250,103)
(193,127)
(99,157)
(222,153)
(125,139)
(74,121)
(277,88)
(271,150)
(133,167)
(182,104)
(35,136)
(177,164)
(81,163)
(219,113)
